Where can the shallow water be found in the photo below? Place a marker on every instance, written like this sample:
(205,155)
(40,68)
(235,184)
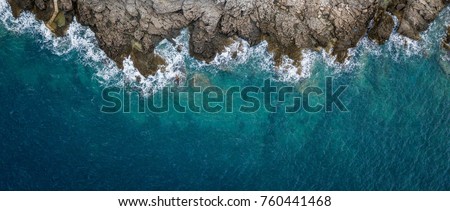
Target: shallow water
(396,135)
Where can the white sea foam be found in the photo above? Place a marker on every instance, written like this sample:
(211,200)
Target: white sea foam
(404,47)
(288,71)
(311,58)
(238,48)
(239,52)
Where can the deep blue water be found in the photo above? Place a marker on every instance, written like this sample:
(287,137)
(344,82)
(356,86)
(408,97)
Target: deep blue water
(396,135)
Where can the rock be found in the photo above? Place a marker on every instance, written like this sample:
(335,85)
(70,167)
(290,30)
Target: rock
(131,8)
(446,41)
(167,6)
(17,6)
(40,4)
(417,15)
(25,4)
(65,5)
(98,7)
(400,7)
(382,29)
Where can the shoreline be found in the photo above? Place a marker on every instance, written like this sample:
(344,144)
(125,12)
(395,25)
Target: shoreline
(139,27)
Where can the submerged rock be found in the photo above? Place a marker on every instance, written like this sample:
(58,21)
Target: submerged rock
(134,27)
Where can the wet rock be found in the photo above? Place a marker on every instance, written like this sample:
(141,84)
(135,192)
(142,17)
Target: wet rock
(446,41)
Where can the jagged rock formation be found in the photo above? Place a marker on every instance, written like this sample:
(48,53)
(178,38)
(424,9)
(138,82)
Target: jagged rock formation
(135,27)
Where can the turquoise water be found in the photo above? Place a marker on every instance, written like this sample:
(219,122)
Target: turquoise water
(396,135)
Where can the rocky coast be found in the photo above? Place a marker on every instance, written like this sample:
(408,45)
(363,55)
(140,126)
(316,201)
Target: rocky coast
(133,28)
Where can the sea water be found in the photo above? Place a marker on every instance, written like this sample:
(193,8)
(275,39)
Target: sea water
(53,135)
